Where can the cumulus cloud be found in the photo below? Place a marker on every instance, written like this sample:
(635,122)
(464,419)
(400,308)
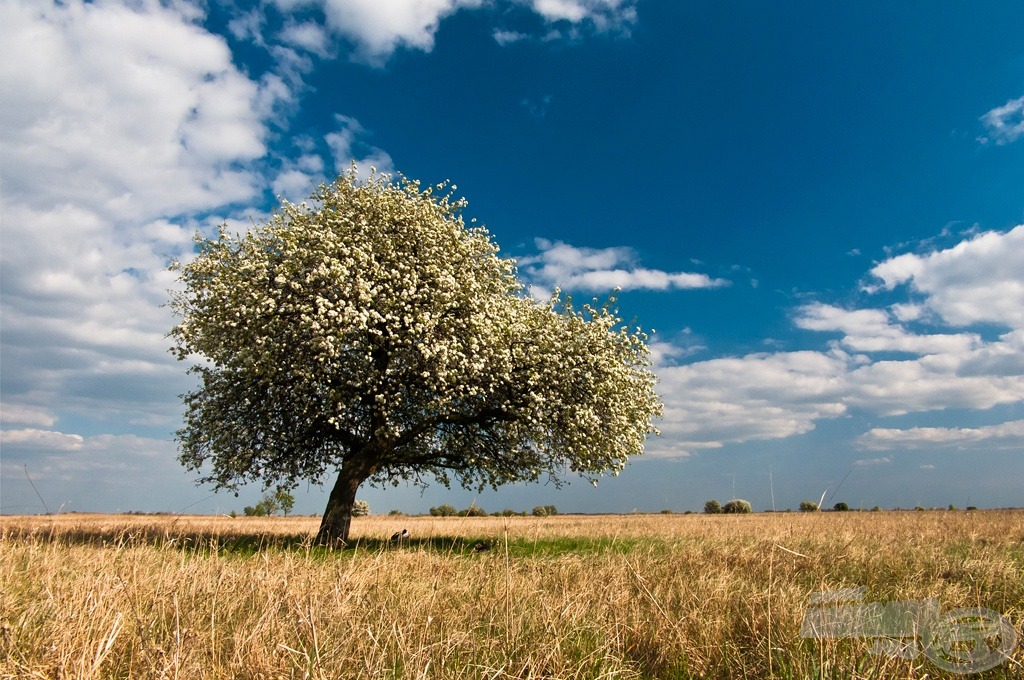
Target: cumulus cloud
(348,146)
(872,330)
(604,15)
(776,395)
(21,414)
(376,30)
(571,268)
(41,439)
(76,472)
(1008,435)
(306,35)
(754,397)
(980,280)
(1004,124)
(119,123)
(177,116)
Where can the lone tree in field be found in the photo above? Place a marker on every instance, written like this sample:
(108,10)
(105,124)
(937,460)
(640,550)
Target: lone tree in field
(370,334)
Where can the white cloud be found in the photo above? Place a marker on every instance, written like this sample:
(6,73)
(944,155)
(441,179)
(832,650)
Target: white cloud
(980,280)
(298,179)
(177,116)
(41,439)
(377,29)
(306,35)
(776,395)
(754,397)
(21,414)
(606,15)
(505,37)
(873,461)
(119,121)
(1004,124)
(347,146)
(872,330)
(1005,436)
(938,382)
(564,266)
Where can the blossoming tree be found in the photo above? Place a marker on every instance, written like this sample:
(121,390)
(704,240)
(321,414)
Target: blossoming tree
(370,333)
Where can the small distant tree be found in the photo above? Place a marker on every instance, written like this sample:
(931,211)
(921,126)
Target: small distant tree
(253,511)
(473,510)
(444,510)
(552,510)
(540,511)
(737,506)
(285,500)
(713,507)
(808,506)
(841,507)
(370,334)
(360,508)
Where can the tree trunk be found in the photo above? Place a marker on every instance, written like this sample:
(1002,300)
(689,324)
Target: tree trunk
(337,518)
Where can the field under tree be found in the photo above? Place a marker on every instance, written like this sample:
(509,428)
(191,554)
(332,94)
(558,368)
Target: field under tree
(637,596)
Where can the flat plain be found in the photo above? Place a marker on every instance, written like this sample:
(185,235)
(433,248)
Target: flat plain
(568,596)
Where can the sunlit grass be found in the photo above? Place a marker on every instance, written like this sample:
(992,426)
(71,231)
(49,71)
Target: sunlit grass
(568,596)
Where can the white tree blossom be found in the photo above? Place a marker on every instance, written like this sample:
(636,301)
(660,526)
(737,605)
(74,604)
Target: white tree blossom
(370,331)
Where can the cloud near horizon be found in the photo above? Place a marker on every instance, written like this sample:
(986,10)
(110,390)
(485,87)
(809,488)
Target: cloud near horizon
(1008,435)
(767,396)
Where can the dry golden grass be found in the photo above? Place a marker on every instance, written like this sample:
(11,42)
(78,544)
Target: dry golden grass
(662,596)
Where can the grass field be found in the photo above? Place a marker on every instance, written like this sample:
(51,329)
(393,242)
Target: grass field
(638,596)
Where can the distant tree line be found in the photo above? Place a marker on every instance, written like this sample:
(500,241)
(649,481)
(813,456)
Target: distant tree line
(474,510)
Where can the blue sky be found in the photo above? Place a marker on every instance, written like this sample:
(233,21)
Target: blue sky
(818,207)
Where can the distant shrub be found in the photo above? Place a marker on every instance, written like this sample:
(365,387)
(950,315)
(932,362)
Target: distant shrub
(919,508)
(713,507)
(360,508)
(666,511)
(951,507)
(444,510)
(540,511)
(737,506)
(396,513)
(876,509)
(473,511)
(808,506)
(971,507)
(840,507)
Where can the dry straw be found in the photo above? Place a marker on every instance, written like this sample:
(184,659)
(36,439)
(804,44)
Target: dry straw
(663,596)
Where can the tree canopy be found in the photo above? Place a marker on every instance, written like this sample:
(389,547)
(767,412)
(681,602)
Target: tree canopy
(371,332)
